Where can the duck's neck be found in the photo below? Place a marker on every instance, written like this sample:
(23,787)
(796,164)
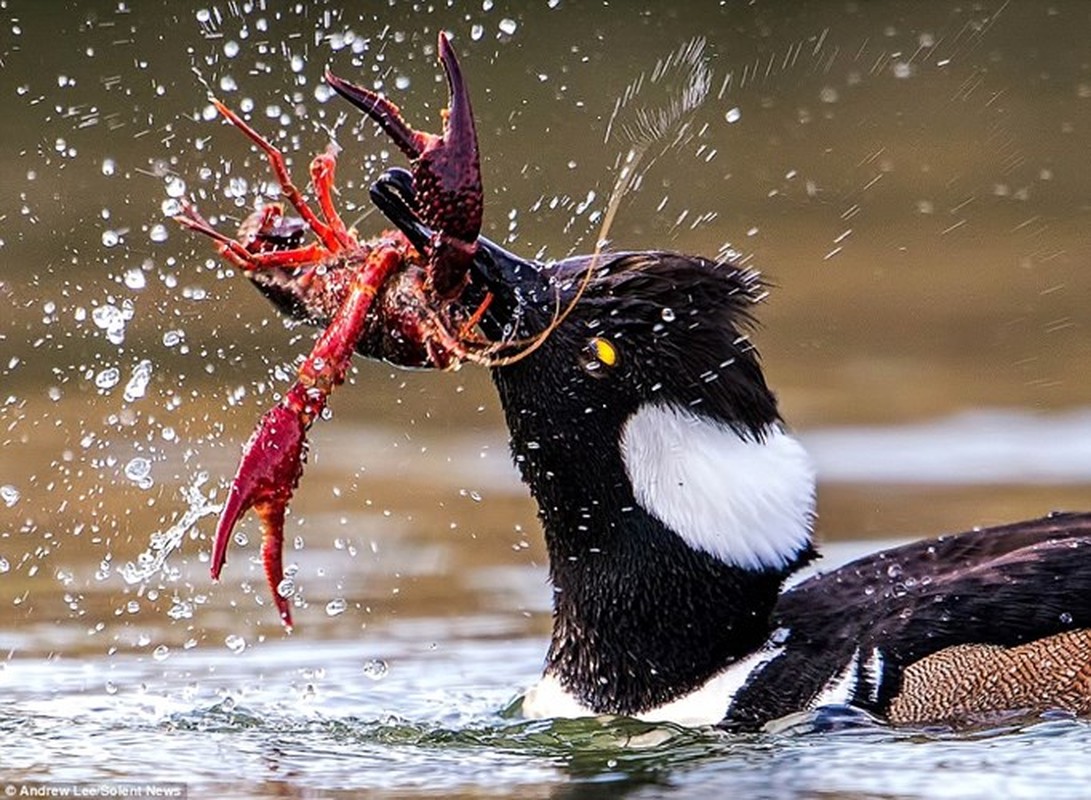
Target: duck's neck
(641,619)
(668,547)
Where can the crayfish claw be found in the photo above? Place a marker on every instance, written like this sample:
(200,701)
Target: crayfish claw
(232,511)
(446,174)
(268,474)
(272,549)
(385,113)
(457,165)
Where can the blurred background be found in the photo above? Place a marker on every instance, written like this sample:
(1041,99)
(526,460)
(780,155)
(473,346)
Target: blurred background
(911,177)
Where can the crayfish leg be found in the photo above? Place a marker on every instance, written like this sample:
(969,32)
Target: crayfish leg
(230,249)
(322,171)
(276,160)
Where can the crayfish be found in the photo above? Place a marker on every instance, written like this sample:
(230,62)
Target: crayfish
(404,296)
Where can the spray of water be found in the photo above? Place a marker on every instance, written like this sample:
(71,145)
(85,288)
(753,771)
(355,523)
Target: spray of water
(162,543)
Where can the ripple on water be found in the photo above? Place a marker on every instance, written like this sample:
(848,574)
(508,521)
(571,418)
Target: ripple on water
(294,709)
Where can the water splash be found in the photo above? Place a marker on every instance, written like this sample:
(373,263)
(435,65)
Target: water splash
(685,76)
(138,470)
(163,543)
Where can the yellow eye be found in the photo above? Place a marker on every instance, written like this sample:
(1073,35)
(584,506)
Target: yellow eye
(604,351)
(600,353)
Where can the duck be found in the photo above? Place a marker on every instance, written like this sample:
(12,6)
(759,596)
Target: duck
(679,511)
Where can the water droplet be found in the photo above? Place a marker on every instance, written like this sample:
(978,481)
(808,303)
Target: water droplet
(477,31)
(133,606)
(4,565)
(235,643)
(733,115)
(112,320)
(231,48)
(180,610)
(376,669)
(286,588)
(401,82)
(109,166)
(1066,618)
(137,386)
(161,653)
(158,233)
(667,314)
(108,378)
(894,571)
(105,316)
(336,607)
(138,470)
(110,238)
(176,187)
(508,26)
(134,278)
(111,687)
(9,494)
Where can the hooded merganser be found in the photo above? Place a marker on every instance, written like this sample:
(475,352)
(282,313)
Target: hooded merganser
(676,503)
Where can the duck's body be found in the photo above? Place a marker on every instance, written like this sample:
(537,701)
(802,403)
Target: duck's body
(675,506)
(909,637)
(955,627)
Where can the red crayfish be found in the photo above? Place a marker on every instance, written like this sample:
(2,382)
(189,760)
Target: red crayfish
(401,296)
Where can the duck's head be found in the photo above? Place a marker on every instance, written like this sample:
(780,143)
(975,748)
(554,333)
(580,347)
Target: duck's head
(647,388)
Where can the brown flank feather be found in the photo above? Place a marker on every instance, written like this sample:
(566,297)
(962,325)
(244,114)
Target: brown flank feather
(1053,673)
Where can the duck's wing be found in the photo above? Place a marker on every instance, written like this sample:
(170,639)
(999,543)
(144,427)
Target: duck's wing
(847,636)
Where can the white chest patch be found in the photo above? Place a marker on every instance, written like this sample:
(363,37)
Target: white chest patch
(705,705)
(748,503)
